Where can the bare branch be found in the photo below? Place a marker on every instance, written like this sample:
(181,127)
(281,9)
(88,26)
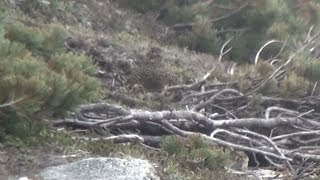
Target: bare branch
(317,132)
(222,53)
(212,98)
(11,102)
(269,109)
(256,59)
(270,142)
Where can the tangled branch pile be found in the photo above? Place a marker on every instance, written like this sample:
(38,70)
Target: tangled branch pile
(283,131)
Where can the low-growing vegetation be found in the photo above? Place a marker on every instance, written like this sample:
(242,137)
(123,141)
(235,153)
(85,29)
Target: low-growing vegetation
(190,159)
(194,152)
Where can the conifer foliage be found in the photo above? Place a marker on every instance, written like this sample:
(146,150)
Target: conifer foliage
(38,78)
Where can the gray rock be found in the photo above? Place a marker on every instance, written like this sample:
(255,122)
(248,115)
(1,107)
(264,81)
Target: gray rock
(102,169)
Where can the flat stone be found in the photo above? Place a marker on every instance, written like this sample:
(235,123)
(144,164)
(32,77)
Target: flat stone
(102,169)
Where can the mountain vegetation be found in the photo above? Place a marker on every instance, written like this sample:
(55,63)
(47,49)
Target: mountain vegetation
(207,85)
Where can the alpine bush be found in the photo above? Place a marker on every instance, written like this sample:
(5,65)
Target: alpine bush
(39,78)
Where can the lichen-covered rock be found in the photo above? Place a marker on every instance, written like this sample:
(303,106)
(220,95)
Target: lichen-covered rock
(102,169)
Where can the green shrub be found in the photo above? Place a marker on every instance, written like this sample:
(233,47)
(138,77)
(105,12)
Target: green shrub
(42,88)
(43,42)
(172,145)
(193,151)
(201,38)
(13,127)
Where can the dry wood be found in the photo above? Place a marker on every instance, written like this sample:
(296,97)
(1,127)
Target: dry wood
(284,131)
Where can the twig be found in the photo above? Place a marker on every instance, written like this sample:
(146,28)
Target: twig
(212,98)
(11,102)
(269,109)
(256,59)
(222,53)
(296,134)
(270,142)
(314,88)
